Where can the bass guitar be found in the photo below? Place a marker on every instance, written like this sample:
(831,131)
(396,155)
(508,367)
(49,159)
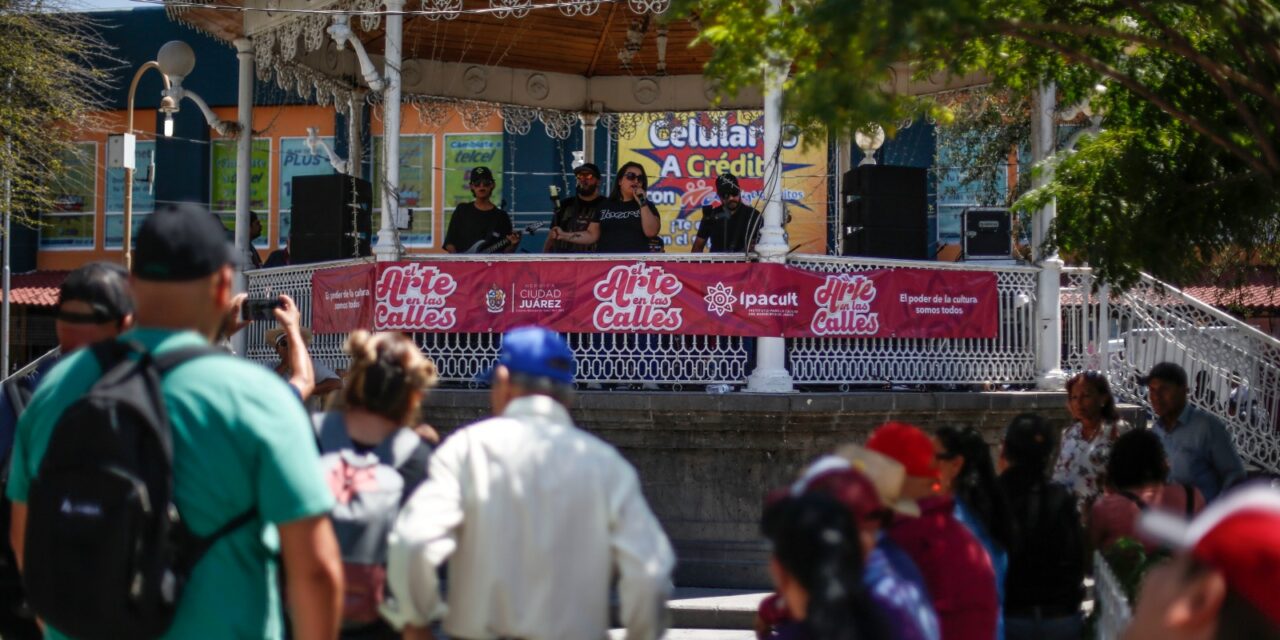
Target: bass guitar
(498,244)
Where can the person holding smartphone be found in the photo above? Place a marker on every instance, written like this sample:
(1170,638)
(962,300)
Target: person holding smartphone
(626,221)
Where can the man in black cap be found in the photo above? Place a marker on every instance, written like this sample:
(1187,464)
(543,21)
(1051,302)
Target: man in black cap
(477,226)
(1199,448)
(241,441)
(732,227)
(578,213)
(94,304)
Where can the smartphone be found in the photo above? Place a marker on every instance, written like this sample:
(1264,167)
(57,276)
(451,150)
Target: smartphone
(259,309)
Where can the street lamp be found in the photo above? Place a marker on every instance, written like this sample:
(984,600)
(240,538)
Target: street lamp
(174,61)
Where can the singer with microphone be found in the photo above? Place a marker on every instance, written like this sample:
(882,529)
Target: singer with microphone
(732,227)
(626,220)
(579,213)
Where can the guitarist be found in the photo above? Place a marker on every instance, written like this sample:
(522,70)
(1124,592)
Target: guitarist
(479,220)
(578,213)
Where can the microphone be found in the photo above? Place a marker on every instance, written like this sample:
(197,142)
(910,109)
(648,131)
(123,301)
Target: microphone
(555,196)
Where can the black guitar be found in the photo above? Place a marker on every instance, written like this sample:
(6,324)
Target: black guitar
(500,243)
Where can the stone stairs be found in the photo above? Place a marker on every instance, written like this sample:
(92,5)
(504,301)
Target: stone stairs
(710,614)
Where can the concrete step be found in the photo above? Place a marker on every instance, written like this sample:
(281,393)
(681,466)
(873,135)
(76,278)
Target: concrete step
(701,608)
(694,634)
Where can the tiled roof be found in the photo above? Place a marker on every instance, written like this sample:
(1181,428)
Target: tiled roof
(1254,296)
(38,288)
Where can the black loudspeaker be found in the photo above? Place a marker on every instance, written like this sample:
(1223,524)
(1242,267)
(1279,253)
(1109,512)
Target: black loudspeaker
(987,232)
(886,212)
(332,218)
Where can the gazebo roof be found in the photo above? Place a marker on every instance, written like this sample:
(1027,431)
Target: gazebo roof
(607,56)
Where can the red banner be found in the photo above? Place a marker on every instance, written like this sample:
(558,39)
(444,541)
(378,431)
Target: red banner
(342,299)
(738,299)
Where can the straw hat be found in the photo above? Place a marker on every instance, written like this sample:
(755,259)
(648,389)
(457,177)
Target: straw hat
(274,336)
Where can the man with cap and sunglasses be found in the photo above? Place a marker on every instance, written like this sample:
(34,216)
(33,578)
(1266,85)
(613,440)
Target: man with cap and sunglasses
(240,443)
(480,223)
(534,516)
(732,227)
(1200,450)
(1222,581)
(579,213)
(94,304)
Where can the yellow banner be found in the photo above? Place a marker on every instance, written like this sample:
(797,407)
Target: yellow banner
(682,159)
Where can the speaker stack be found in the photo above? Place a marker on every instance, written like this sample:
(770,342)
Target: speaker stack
(332,218)
(986,233)
(885,212)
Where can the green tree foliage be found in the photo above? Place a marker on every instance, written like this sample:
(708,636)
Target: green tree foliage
(51,81)
(1185,170)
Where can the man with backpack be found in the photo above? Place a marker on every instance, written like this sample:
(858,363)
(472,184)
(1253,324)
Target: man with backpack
(535,517)
(155,480)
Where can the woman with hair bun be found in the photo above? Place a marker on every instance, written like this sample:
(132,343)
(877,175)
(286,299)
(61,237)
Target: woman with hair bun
(373,463)
(817,569)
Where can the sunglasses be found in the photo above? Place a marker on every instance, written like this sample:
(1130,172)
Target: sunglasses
(97,317)
(631,175)
(482,183)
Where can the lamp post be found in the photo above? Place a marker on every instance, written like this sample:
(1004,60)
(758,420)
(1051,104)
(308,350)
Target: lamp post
(168,106)
(174,61)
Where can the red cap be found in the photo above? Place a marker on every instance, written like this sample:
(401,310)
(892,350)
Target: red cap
(1238,535)
(908,445)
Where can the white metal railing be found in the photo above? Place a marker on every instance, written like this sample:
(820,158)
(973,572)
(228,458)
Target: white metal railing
(1233,369)
(31,367)
(1009,358)
(677,360)
(1109,601)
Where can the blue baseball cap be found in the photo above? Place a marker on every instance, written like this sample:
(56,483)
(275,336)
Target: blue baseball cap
(537,352)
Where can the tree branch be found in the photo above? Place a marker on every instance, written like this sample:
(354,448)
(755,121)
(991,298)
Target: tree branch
(1210,66)
(1151,96)
(1261,135)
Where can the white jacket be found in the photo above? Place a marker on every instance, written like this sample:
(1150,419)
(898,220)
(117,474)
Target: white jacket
(535,517)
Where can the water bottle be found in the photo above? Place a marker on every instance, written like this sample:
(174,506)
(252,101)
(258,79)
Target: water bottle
(719,388)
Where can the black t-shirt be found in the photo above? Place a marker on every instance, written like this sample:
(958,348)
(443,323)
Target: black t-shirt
(470,225)
(574,215)
(621,229)
(729,233)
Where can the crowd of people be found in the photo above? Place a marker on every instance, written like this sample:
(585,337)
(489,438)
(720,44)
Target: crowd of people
(162,487)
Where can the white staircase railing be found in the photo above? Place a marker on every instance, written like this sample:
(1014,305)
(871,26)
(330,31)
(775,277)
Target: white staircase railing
(1233,369)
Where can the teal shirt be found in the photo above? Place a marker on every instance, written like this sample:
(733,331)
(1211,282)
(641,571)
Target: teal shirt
(241,440)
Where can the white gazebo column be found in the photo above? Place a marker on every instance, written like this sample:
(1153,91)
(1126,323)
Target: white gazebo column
(244,166)
(355,131)
(388,247)
(589,121)
(1049,374)
(771,375)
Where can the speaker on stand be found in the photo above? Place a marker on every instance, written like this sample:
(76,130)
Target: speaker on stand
(332,218)
(885,212)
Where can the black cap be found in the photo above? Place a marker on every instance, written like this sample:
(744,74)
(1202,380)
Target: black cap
(588,167)
(727,185)
(181,242)
(1167,371)
(103,286)
(481,173)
